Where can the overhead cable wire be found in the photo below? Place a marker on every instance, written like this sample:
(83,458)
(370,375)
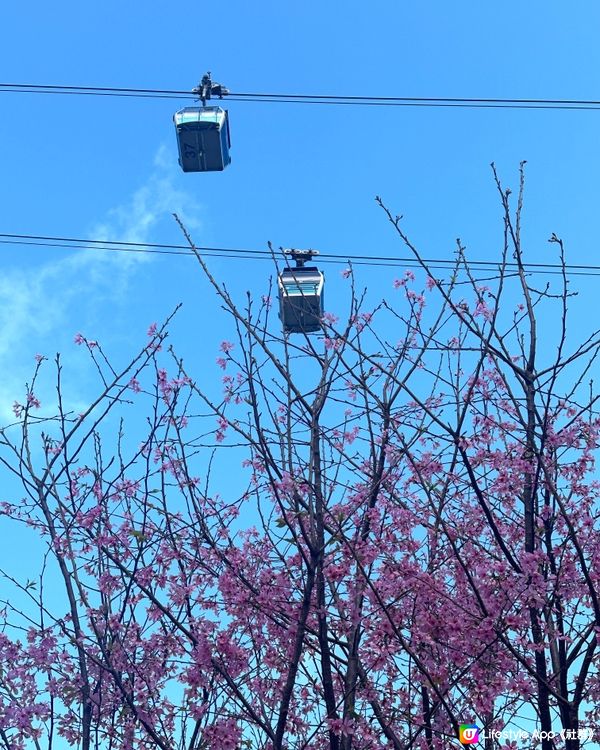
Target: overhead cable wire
(79,243)
(317,99)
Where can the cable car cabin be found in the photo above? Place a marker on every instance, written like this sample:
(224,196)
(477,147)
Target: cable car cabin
(203,139)
(301,299)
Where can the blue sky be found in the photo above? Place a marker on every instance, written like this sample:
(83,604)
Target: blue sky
(301,175)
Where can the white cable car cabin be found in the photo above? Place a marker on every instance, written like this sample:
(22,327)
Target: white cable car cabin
(301,294)
(203,138)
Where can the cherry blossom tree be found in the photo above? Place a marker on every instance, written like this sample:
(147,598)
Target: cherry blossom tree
(359,539)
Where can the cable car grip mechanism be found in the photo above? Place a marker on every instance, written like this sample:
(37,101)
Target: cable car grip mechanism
(300,256)
(206,88)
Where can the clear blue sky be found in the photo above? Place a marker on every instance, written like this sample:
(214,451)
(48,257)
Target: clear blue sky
(301,176)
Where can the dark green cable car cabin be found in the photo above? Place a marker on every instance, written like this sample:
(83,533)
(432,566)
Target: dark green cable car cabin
(203,138)
(301,294)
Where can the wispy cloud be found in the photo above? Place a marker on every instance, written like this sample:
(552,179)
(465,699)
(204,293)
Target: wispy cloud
(156,200)
(40,308)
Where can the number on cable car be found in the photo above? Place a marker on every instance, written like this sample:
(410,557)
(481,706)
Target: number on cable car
(301,294)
